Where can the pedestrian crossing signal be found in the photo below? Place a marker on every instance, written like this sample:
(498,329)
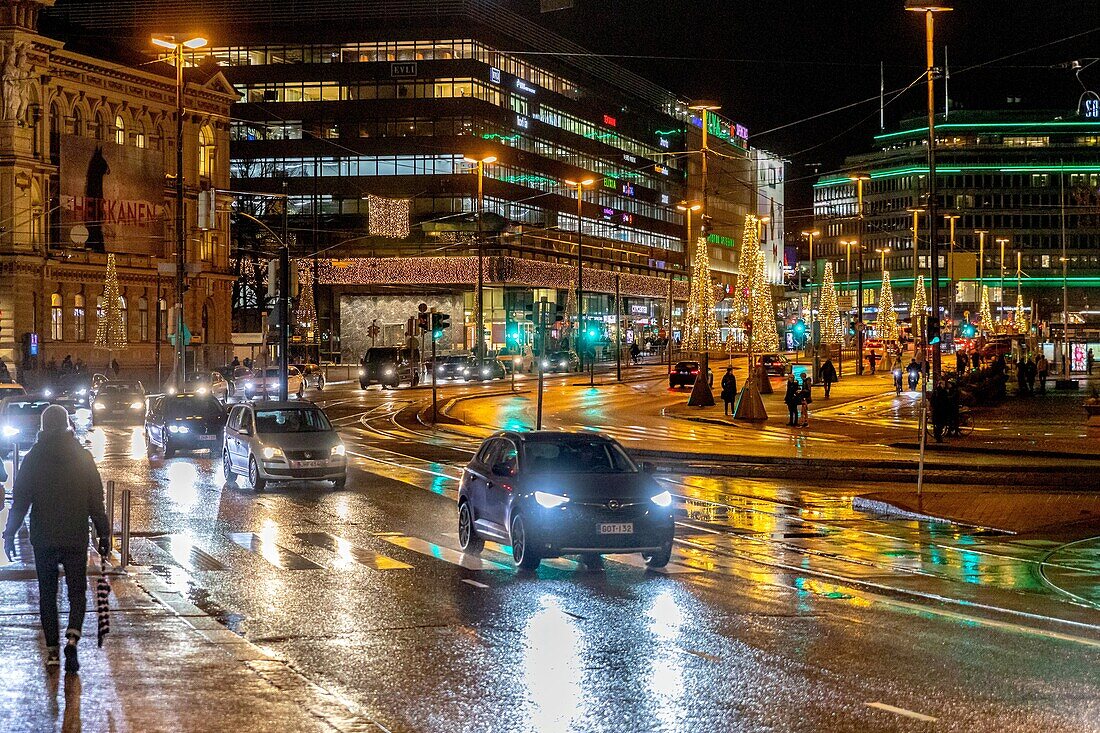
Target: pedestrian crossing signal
(440,322)
(933,330)
(967,330)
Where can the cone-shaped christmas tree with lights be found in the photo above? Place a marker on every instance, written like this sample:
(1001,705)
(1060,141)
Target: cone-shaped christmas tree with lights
(110,332)
(700,323)
(985,315)
(742,293)
(569,315)
(305,314)
(887,326)
(765,335)
(1019,320)
(832,333)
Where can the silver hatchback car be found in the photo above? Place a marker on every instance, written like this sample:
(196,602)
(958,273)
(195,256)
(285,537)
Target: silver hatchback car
(282,441)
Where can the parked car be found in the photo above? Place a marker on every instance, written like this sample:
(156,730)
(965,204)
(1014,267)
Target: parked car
(491,369)
(775,365)
(282,441)
(684,374)
(11,389)
(184,421)
(237,377)
(118,400)
(389,366)
(453,366)
(547,494)
(559,361)
(208,382)
(312,374)
(265,384)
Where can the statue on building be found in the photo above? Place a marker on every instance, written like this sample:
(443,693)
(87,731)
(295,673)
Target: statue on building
(14,80)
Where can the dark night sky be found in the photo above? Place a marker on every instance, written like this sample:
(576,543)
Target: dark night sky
(777,61)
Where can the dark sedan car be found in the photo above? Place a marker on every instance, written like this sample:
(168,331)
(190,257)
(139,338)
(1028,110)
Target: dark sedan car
(491,369)
(685,373)
(452,367)
(118,401)
(775,365)
(549,494)
(559,361)
(184,421)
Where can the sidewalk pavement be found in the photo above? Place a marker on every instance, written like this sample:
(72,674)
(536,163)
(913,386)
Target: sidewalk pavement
(165,666)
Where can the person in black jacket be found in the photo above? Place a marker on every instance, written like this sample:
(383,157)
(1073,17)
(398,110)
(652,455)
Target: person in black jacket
(59,484)
(729,389)
(793,398)
(828,376)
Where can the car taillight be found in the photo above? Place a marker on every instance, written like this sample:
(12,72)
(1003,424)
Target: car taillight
(694,371)
(672,371)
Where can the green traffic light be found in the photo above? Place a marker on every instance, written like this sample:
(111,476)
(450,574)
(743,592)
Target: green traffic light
(437,334)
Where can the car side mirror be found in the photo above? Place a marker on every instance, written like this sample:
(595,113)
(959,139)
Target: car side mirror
(648,467)
(502,469)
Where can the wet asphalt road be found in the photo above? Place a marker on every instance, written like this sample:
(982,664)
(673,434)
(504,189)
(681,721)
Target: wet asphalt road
(783,608)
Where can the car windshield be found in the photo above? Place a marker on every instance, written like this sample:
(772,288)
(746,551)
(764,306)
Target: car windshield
(184,406)
(272,373)
(575,455)
(118,390)
(292,420)
(379,356)
(688,365)
(27,408)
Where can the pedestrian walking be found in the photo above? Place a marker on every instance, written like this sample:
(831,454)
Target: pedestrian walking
(729,389)
(59,484)
(1021,378)
(805,397)
(872,360)
(940,410)
(5,375)
(1089,358)
(828,376)
(235,363)
(962,362)
(114,366)
(792,398)
(1042,368)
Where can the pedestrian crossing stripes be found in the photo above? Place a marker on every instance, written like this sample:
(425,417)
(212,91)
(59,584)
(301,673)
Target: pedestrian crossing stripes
(347,553)
(277,555)
(454,557)
(182,550)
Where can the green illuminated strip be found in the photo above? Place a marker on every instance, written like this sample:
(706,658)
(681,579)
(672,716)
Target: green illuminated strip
(498,136)
(994,126)
(923,171)
(599,135)
(1010,282)
(719,239)
(666,132)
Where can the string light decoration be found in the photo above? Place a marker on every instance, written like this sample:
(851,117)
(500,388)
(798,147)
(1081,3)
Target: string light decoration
(110,332)
(388,217)
(918,311)
(887,318)
(765,335)
(742,292)
(832,334)
(700,323)
(306,314)
(985,315)
(1019,320)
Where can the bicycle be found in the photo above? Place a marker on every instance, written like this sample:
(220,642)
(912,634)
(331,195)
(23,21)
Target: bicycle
(963,429)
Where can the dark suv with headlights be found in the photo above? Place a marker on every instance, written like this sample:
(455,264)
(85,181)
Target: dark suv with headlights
(549,494)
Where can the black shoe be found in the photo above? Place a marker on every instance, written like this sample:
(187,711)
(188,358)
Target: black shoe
(53,658)
(71,662)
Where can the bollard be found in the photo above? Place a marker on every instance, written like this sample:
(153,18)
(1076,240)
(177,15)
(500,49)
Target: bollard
(111,514)
(125,550)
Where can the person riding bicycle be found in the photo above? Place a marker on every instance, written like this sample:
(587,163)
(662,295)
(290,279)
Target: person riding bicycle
(897,378)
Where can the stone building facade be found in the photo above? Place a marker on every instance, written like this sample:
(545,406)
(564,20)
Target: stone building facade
(87,166)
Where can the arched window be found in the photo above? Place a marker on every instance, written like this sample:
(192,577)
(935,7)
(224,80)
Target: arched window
(162,308)
(120,130)
(57,318)
(78,121)
(137,137)
(38,211)
(124,316)
(206,152)
(143,319)
(101,125)
(80,325)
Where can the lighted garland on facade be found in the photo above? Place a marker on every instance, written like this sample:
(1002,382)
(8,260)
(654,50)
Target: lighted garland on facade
(110,332)
(985,315)
(387,217)
(832,333)
(887,318)
(306,313)
(700,323)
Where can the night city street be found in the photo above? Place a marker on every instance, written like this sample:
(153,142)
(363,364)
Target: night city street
(549,366)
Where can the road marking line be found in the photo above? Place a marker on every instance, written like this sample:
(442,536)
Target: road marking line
(474,583)
(348,552)
(446,554)
(278,556)
(902,711)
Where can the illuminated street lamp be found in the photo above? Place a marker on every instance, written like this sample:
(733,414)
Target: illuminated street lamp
(930,8)
(580,186)
(480,163)
(687,207)
(177,47)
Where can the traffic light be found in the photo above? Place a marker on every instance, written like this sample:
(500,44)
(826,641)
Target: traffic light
(851,328)
(933,330)
(799,328)
(967,330)
(440,322)
(422,322)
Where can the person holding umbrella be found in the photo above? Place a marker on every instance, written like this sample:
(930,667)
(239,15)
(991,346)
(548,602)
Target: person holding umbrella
(59,484)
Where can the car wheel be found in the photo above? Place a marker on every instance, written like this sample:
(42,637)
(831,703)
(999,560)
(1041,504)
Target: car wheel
(320,383)
(227,467)
(415,380)
(340,484)
(467,535)
(524,555)
(592,560)
(660,558)
(259,483)
(169,451)
(671,384)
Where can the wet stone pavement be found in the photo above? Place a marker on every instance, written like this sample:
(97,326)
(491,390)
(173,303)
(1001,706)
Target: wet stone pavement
(783,610)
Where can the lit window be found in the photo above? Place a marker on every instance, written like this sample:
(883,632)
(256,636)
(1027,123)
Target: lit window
(206,152)
(57,318)
(79,323)
(120,130)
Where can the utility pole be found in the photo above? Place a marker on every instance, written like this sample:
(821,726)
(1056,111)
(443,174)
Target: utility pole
(284,300)
(618,333)
(542,317)
(580,185)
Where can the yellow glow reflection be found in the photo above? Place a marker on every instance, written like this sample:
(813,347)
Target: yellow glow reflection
(137,444)
(666,666)
(96,443)
(552,668)
(183,484)
(344,558)
(268,535)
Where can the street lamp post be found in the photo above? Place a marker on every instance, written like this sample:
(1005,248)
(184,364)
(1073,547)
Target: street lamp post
(930,8)
(859,178)
(480,316)
(580,186)
(815,338)
(177,47)
(1001,297)
(951,219)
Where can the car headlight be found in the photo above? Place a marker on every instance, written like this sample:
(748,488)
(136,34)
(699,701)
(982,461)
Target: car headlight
(47,392)
(563,363)
(485,372)
(136,405)
(339,450)
(550,500)
(545,364)
(465,370)
(179,429)
(663,499)
(201,390)
(271,453)
(82,391)
(9,431)
(389,372)
(362,372)
(99,406)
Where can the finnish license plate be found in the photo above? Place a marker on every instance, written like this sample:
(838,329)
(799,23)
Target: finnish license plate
(307,464)
(208,437)
(617,528)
